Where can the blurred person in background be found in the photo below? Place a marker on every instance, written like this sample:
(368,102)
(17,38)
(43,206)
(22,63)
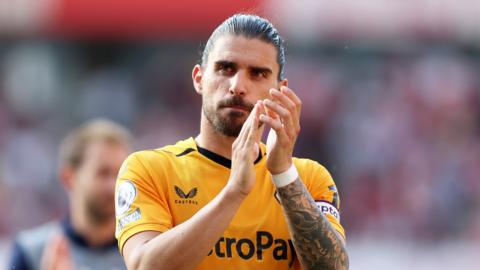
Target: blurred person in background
(90,157)
(215,192)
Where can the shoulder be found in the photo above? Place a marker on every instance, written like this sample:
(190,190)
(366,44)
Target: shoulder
(176,150)
(39,235)
(318,181)
(311,168)
(315,176)
(146,167)
(29,244)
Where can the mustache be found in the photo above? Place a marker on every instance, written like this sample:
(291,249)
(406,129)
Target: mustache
(236,101)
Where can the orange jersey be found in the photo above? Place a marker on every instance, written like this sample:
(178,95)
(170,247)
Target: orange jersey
(159,189)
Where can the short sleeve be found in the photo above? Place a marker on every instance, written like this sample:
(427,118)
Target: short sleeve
(140,203)
(321,186)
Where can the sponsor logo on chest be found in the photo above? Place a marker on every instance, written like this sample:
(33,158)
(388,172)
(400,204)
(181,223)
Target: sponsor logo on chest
(186,198)
(254,249)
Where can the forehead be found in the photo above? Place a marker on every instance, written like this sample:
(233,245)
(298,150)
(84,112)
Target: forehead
(99,149)
(244,51)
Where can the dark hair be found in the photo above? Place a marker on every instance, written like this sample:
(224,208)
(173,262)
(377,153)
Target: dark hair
(249,26)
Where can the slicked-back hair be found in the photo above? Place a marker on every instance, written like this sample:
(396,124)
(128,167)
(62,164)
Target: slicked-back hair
(249,26)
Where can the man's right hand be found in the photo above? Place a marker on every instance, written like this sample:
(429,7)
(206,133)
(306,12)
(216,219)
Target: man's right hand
(245,151)
(56,254)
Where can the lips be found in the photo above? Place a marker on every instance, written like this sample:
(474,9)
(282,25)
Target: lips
(238,108)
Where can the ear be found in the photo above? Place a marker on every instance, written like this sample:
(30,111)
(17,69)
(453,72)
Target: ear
(283,82)
(67,178)
(197,75)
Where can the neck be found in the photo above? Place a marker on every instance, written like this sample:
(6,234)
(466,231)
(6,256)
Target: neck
(94,234)
(211,140)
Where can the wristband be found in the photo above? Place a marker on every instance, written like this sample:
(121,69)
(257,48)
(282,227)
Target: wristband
(285,178)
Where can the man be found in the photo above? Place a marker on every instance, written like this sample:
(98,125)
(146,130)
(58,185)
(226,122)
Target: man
(224,200)
(90,157)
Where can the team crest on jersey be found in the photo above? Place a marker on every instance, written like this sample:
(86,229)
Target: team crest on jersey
(126,194)
(186,198)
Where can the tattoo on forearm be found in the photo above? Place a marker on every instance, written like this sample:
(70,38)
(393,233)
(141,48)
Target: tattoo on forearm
(317,244)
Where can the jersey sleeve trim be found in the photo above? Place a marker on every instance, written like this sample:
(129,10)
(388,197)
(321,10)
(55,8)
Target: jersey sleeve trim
(122,239)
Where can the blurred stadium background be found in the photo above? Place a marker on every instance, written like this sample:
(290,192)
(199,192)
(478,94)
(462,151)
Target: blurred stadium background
(391,93)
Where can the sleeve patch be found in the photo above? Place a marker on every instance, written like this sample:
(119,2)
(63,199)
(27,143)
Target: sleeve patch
(126,194)
(335,195)
(124,221)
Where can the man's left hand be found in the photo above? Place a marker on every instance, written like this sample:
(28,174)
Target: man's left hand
(283,116)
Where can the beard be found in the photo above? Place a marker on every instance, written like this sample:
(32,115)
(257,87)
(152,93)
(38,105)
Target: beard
(231,124)
(100,211)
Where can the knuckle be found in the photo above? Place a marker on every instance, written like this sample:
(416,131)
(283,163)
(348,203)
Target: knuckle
(290,106)
(299,104)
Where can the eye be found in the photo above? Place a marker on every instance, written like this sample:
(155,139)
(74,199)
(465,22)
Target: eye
(226,68)
(259,73)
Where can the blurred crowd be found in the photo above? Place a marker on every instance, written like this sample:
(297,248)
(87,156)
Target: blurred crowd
(398,127)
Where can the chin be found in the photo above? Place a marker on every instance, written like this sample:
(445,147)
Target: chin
(229,129)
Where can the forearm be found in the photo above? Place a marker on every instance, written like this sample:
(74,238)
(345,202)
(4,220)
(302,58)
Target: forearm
(316,242)
(185,245)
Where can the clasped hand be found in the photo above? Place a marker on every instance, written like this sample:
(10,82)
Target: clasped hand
(281,113)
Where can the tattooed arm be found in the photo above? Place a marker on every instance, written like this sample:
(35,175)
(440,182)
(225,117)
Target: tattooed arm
(318,245)
(316,242)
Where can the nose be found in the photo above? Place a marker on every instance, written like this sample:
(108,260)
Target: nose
(238,84)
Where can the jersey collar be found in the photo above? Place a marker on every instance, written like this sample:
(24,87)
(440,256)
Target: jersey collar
(79,240)
(221,159)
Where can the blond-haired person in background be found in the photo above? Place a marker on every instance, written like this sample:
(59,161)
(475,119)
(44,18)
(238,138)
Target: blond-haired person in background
(90,157)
